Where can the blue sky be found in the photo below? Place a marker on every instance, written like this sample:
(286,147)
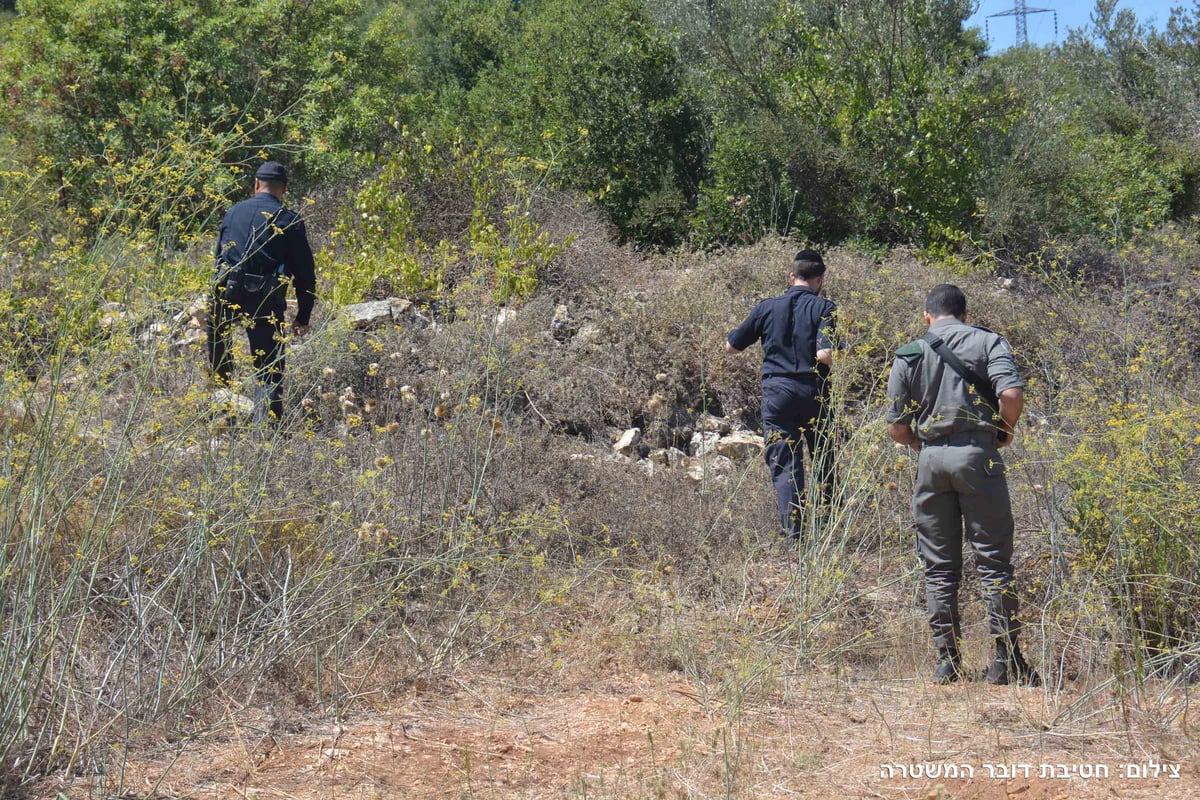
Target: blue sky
(1071,14)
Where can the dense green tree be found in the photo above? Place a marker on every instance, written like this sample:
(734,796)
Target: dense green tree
(455,40)
(593,88)
(1103,145)
(851,117)
(90,82)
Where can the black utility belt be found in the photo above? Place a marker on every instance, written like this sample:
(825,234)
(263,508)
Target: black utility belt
(794,376)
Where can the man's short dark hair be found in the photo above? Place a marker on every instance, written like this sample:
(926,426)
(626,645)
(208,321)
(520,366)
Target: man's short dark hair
(808,264)
(946,300)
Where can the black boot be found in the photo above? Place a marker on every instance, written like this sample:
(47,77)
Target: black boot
(1010,667)
(948,668)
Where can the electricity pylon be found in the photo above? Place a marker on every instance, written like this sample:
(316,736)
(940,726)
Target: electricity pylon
(1021,12)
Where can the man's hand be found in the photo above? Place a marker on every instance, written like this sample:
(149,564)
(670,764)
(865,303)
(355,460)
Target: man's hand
(904,434)
(730,348)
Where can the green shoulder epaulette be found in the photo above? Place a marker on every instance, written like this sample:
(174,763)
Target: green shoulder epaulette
(911,351)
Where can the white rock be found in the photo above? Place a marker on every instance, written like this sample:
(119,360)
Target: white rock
(588,334)
(152,332)
(401,309)
(198,307)
(232,401)
(671,457)
(112,314)
(562,324)
(740,445)
(364,316)
(710,424)
(703,443)
(16,415)
(191,337)
(708,468)
(627,444)
(504,318)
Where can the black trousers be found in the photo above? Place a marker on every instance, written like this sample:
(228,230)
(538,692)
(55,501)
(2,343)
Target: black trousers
(265,331)
(796,415)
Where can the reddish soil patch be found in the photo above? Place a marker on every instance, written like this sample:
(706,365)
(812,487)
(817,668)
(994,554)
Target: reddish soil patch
(659,735)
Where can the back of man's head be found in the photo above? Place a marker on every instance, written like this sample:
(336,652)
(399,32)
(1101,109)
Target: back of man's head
(273,176)
(946,300)
(807,265)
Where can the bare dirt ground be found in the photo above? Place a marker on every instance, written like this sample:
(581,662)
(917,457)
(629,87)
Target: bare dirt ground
(661,735)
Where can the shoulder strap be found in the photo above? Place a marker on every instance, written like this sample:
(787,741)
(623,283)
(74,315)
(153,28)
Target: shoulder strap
(982,387)
(260,237)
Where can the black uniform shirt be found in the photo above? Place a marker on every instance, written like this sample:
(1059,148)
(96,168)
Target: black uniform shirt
(792,328)
(288,246)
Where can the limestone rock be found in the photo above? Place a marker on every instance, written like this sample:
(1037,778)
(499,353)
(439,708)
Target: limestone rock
(713,424)
(152,332)
(16,415)
(589,334)
(671,457)
(232,402)
(504,318)
(627,444)
(703,443)
(708,468)
(190,338)
(562,325)
(376,313)
(740,445)
(112,314)
(364,316)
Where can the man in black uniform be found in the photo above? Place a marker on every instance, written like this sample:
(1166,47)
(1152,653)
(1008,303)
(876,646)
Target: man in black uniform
(796,331)
(261,243)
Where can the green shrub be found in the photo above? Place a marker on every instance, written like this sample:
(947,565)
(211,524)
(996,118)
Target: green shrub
(88,83)
(596,89)
(441,213)
(1135,509)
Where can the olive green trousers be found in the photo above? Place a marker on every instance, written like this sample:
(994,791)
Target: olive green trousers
(961,492)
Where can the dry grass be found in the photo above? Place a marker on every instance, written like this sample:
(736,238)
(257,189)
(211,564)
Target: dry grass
(437,556)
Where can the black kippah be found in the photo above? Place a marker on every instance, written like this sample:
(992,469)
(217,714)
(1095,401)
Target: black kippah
(809,257)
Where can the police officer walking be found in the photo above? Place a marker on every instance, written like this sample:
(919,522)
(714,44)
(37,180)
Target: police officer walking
(260,243)
(955,396)
(796,331)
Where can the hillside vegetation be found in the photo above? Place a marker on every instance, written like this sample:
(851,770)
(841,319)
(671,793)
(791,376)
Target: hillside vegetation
(566,205)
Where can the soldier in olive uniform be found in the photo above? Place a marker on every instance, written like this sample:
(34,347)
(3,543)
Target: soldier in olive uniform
(960,486)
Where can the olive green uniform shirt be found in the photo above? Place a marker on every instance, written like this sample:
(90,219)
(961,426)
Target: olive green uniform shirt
(924,389)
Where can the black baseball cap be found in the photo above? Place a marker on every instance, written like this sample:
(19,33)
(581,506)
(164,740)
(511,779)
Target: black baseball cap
(272,171)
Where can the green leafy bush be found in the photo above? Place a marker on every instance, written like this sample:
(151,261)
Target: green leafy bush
(92,82)
(596,89)
(442,213)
